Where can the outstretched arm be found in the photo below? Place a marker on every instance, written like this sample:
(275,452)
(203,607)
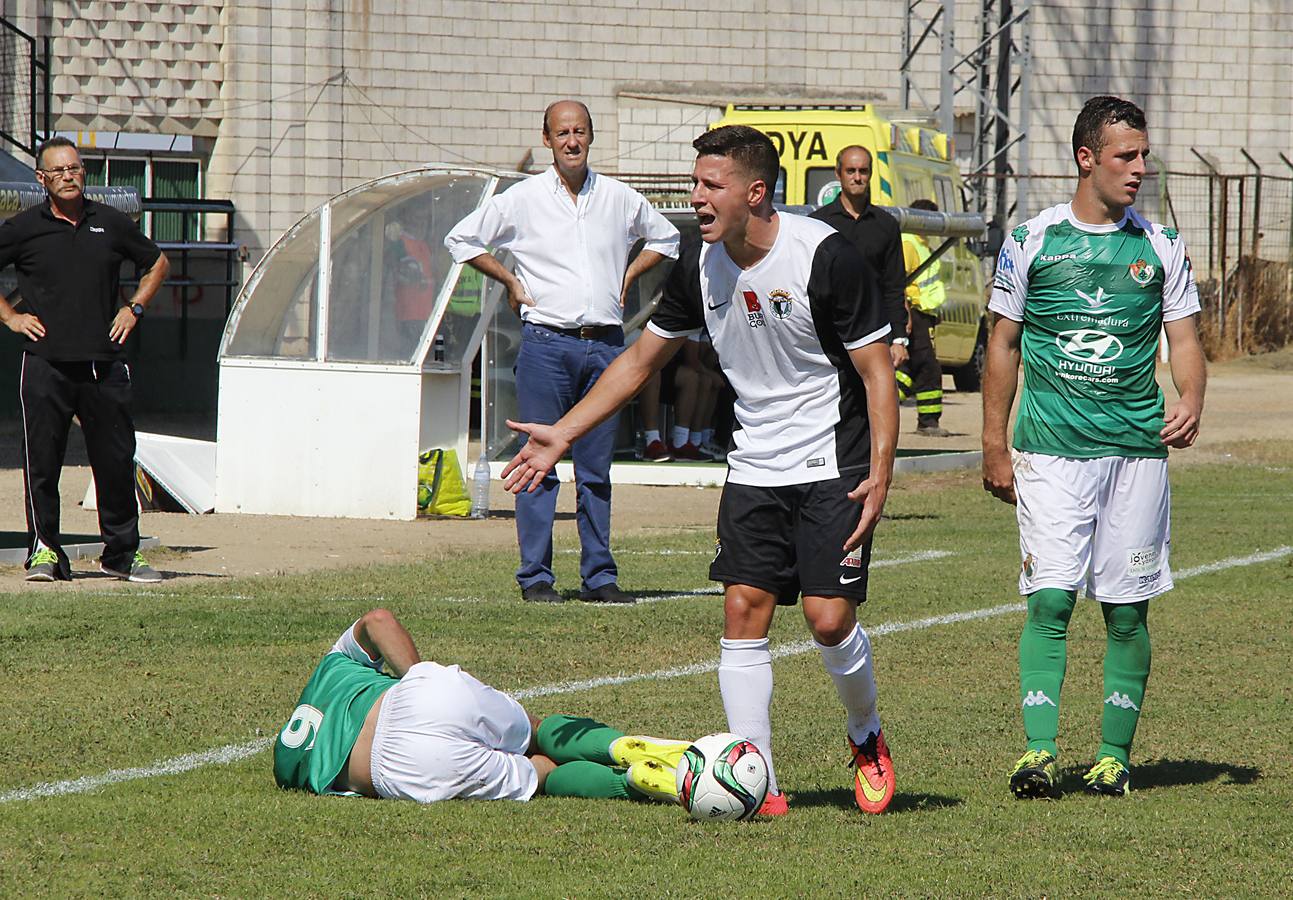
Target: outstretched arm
(1000,381)
(618,385)
(873,364)
(1190,375)
(382,636)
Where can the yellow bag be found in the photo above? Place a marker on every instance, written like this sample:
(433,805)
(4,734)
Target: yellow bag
(441,489)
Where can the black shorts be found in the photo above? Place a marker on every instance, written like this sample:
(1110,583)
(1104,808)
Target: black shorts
(790,540)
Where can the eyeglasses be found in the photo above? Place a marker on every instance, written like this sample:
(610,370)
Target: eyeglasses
(63,171)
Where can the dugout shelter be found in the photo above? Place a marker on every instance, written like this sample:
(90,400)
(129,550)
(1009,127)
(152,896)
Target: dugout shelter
(350,348)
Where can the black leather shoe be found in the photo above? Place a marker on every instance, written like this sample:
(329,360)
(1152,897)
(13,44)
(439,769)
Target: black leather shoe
(607,593)
(541,593)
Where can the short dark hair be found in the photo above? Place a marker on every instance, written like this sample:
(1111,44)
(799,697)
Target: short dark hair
(548,111)
(56,141)
(839,157)
(1088,130)
(748,147)
(923,203)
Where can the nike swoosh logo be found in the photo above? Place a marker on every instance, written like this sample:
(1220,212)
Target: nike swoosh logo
(844,580)
(721,305)
(872,794)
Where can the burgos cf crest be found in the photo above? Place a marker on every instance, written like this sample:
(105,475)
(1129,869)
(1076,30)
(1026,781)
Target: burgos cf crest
(1141,272)
(781,303)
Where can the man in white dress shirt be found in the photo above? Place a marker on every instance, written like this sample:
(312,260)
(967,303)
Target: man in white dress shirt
(570,231)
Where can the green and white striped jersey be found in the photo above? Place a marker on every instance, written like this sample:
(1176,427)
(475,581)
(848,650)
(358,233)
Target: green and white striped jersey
(1092,300)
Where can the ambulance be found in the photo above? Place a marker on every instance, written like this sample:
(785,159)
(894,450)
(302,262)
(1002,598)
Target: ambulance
(911,159)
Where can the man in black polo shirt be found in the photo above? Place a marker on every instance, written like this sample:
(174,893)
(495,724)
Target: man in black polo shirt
(875,234)
(68,254)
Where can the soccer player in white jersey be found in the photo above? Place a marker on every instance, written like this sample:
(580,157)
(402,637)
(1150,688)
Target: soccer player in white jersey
(429,732)
(1081,295)
(797,322)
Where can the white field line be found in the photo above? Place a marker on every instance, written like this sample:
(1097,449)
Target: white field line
(919,556)
(233,752)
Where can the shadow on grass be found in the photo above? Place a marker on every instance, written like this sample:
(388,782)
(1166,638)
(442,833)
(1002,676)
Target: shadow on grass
(903,801)
(1165,773)
(910,517)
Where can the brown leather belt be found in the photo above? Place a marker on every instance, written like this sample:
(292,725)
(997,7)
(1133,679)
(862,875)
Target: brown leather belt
(584,332)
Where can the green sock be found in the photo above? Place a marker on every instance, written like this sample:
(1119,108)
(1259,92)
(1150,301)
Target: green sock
(1126,672)
(1042,660)
(587,779)
(566,739)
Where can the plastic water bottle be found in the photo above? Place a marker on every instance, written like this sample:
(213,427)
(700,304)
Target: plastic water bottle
(480,489)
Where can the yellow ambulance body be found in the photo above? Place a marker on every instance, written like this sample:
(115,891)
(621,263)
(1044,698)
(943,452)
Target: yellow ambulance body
(910,159)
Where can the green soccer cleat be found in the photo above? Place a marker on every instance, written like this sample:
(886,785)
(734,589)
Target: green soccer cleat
(654,780)
(1108,777)
(1035,775)
(632,748)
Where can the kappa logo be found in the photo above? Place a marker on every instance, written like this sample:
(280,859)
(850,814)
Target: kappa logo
(1122,701)
(782,304)
(753,310)
(1038,698)
(1141,272)
(1089,345)
(1020,234)
(1097,303)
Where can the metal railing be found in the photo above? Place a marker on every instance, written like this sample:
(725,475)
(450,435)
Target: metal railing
(24,88)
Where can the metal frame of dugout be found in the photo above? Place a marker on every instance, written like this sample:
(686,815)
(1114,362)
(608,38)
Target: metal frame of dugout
(350,348)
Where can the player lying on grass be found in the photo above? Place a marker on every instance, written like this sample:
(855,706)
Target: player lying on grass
(430,732)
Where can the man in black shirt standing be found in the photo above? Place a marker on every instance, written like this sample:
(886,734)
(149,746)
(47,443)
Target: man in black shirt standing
(68,253)
(875,234)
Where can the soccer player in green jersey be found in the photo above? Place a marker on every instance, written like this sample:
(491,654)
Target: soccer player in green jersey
(429,732)
(1081,295)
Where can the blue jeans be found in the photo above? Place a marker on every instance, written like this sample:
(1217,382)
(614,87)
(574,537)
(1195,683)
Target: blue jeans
(553,372)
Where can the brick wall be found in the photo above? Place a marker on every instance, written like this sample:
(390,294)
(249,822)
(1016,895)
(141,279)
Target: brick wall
(305,98)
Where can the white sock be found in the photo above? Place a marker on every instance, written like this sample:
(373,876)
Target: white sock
(745,681)
(707,436)
(652,435)
(679,435)
(849,665)
(694,437)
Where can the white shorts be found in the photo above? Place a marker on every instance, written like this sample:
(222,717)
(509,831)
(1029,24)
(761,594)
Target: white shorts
(1096,524)
(441,734)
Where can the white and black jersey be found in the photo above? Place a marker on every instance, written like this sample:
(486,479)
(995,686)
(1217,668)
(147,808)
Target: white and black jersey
(782,330)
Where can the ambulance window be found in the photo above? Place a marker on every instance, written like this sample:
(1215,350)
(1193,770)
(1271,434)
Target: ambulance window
(779,192)
(820,185)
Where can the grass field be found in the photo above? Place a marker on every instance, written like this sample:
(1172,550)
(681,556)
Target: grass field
(99,684)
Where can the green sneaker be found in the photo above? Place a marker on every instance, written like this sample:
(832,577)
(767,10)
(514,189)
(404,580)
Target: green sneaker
(1035,775)
(43,566)
(140,571)
(1109,777)
(632,748)
(652,779)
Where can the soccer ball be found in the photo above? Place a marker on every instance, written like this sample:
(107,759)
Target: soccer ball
(722,776)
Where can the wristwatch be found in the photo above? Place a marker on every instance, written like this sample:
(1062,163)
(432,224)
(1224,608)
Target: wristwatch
(137,309)
(901,342)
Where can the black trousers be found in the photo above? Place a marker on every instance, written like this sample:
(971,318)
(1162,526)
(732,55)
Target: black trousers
(921,376)
(98,394)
